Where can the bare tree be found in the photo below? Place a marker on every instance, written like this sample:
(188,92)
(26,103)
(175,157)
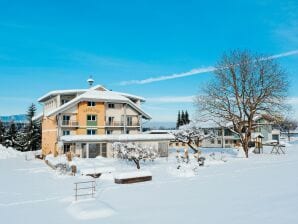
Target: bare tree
(244,86)
(287,125)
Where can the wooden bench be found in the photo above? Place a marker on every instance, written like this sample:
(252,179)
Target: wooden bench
(134,177)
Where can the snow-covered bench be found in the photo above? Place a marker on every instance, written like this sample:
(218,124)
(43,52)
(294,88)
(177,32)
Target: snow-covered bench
(133,177)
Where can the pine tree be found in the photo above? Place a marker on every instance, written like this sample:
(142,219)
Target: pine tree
(32,131)
(187,121)
(2,133)
(29,139)
(182,118)
(12,133)
(178,120)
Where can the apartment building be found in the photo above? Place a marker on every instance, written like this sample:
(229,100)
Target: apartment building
(88,121)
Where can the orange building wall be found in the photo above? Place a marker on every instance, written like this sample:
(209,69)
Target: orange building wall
(49,135)
(84,110)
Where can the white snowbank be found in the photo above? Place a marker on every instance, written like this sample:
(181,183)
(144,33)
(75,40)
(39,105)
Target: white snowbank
(127,175)
(90,209)
(6,153)
(61,159)
(86,171)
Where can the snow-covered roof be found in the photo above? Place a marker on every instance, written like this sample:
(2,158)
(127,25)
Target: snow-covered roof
(81,91)
(117,138)
(62,92)
(98,96)
(159,131)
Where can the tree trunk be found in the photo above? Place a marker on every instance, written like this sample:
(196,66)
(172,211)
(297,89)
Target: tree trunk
(194,149)
(137,162)
(245,148)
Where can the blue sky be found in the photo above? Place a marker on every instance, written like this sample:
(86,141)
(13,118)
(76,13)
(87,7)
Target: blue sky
(48,45)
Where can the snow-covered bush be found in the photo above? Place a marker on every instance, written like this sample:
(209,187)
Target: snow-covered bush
(134,152)
(192,134)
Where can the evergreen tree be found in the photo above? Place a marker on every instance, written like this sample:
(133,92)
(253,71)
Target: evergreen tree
(182,118)
(186,118)
(2,133)
(12,133)
(32,131)
(29,138)
(178,120)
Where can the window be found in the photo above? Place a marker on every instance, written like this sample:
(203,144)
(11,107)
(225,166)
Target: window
(219,142)
(91,131)
(127,132)
(111,105)
(109,132)
(91,117)
(226,141)
(66,148)
(212,141)
(110,120)
(129,121)
(64,101)
(66,117)
(66,132)
(65,120)
(91,104)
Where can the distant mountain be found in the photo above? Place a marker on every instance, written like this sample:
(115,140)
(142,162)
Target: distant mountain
(19,118)
(159,125)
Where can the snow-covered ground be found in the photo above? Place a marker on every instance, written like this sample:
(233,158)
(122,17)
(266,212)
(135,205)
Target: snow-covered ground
(229,189)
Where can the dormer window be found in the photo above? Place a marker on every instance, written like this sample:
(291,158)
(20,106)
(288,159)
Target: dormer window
(91,104)
(64,101)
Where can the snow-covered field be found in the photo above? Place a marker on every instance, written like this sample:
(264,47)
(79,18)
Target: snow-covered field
(261,189)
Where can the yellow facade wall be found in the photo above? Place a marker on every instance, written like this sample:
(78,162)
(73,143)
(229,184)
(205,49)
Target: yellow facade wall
(84,110)
(49,135)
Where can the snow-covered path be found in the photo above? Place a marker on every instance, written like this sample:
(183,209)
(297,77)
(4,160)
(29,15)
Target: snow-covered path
(262,189)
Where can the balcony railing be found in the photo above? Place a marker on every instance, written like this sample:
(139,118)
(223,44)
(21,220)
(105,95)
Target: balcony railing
(121,123)
(114,123)
(133,124)
(68,123)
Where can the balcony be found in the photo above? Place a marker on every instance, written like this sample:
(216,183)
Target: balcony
(121,124)
(114,123)
(132,124)
(68,123)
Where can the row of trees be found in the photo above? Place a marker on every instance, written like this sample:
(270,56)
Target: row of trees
(182,119)
(26,138)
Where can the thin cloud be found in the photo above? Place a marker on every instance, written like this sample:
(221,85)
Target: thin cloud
(171,99)
(289,53)
(196,71)
(173,76)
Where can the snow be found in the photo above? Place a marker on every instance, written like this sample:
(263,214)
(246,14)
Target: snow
(261,189)
(95,170)
(120,137)
(80,91)
(132,174)
(102,96)
(6,153)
